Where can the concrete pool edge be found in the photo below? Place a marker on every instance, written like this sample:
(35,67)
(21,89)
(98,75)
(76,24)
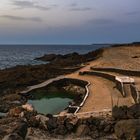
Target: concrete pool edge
(61,77)
(84,100)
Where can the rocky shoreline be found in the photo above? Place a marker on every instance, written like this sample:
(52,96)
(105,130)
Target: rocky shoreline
(13,80)
(21,122)
(24,124)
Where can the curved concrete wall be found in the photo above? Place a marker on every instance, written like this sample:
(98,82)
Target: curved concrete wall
(78,82)
(62,80)
(77,108)
(110,77)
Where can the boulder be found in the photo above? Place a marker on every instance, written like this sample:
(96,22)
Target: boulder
(15,112)
(37,134)
(134,111)
(52,124)
(119,112)
(82,130)
(74,89)
(13,129)
(13,136)
(21,129)
(71,122)
(42,120)
(28,107)
(47,57)
(128,129)
(60,130)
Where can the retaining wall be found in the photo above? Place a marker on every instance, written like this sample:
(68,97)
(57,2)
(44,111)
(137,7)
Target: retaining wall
(77,108)
(110,77)
(135,94)
(121,71)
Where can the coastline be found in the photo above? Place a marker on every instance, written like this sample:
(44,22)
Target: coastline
(97,109)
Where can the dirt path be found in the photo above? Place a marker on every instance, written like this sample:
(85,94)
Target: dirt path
(102,91)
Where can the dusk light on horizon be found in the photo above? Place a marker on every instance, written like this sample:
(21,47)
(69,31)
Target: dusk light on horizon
(69,21)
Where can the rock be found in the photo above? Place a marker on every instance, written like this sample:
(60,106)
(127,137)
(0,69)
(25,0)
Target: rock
(28,107)
(124,112)
(107,128)
(37,134)
(13,128)
(60,130)
(71,122)
(120,112)
(33,122)
(48,57)
(4,107)
(74,89)
(21,129)
(2,133)
(43,120)
(128,129)
(15,112)
(134,111)
(52,124)
(13,136)
(94,134)
(82,130)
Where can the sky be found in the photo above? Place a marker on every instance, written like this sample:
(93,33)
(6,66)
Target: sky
(69,21)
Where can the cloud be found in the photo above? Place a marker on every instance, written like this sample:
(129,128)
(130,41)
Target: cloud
(101,21)
(36,19)
(73,5)
(28,4)
(80,9)
(132,13)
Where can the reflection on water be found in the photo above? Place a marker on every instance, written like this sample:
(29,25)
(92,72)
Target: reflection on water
(50,103)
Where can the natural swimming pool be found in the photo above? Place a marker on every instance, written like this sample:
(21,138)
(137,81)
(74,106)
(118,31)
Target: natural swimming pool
(50,102)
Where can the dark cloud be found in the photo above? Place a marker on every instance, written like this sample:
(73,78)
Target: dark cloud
(80,9)
(73,5)
(101,21)
(36,19)
(132,13)
(28,4)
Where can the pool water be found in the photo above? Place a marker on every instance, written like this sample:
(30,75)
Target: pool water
(50,103)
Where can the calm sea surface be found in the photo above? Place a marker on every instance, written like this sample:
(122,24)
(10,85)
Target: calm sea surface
(12,55)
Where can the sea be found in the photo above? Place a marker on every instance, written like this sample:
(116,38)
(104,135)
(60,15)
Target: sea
(13,55)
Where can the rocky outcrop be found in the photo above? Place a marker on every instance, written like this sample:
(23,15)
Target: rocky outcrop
(13,129)
(72,59)
(15,126)
(74,89)
(125,112)
(13,80)
(128,129)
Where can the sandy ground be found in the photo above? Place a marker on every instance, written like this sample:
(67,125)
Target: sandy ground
(103,93)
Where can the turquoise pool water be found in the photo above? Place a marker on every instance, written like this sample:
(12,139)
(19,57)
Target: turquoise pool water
(50,103)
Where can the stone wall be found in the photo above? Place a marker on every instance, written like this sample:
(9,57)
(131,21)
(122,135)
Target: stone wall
(121,71)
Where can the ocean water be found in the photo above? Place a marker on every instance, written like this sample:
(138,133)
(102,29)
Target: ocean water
(12,55)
